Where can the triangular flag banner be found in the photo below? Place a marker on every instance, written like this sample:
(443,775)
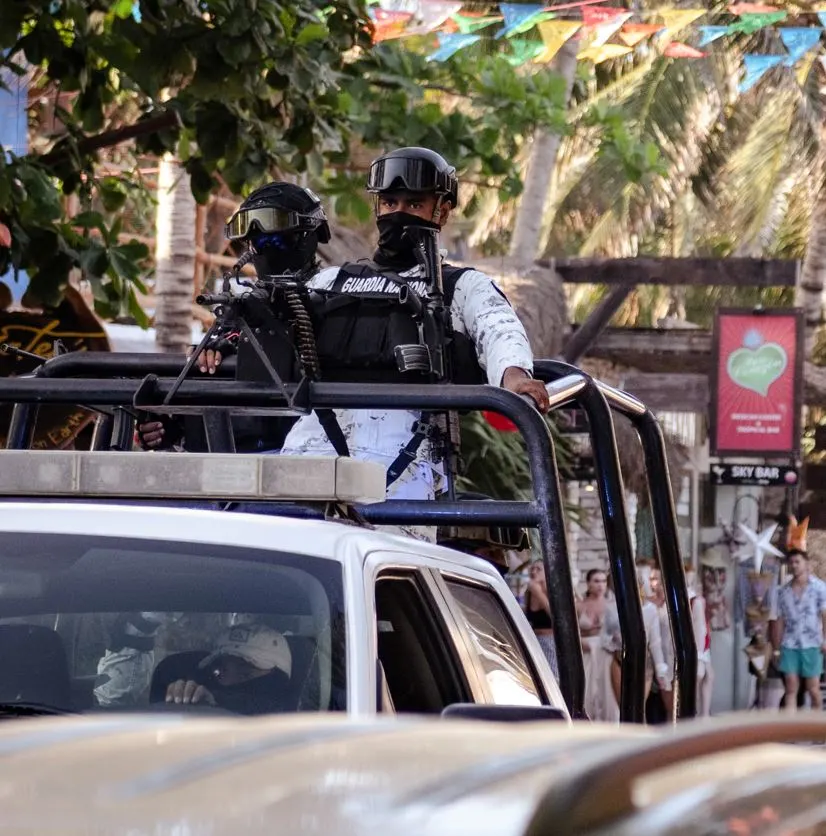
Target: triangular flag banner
(804,68)
(554,35)
(594,35)
(523,51)
(678,50)
(821,16)
(518,18)
(751,9)
(597,15)
(633,33)
(677,19)
(467,24)
(388,24)
(798,40)
(751,23)
(450,44)
(711,33)
(604,52)
(430,16)
(756,67)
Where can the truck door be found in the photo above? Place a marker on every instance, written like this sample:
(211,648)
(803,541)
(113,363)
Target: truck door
(420,651)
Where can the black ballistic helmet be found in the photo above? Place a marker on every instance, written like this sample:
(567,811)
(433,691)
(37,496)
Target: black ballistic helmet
(414,170)
(278,208)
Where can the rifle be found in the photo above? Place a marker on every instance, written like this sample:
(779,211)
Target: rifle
(272,324)
(435,327)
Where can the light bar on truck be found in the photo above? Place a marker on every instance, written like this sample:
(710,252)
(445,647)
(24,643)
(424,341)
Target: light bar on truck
(214,476)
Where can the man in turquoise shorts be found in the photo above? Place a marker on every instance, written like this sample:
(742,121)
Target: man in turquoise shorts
(801,617)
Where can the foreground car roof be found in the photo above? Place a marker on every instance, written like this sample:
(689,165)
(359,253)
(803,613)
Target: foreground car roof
(321,774)
(306,774)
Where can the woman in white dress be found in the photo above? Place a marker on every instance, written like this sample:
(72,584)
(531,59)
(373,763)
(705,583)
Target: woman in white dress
(590,615)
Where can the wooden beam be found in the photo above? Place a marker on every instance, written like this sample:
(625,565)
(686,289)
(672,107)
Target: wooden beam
(748,272)
(655,349)
(669,392)
(583,338)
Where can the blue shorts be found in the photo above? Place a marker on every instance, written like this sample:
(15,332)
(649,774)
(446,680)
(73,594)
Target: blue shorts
(805,662)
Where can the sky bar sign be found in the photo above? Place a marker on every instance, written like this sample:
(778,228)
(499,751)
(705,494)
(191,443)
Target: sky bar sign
(757,382)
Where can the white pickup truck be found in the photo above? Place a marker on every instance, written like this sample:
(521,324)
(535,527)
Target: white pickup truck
(104,606)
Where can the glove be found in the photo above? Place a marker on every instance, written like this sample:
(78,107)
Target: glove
(148,426)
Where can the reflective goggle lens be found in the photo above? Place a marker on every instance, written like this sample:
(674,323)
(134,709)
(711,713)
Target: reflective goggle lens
(402,173)
(265,219)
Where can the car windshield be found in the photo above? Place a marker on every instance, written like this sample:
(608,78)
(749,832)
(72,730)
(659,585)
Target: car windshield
(99,624)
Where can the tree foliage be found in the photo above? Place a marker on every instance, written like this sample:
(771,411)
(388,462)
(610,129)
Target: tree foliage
(238,90)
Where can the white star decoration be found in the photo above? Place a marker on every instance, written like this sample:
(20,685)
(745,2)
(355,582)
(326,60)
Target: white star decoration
(757,545)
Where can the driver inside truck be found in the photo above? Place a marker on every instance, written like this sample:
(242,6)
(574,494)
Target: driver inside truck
(248,672)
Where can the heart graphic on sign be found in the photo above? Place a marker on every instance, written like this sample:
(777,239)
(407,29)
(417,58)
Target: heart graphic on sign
(757,369)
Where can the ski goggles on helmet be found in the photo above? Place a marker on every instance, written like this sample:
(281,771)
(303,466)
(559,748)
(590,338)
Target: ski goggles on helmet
(266,220)
(407,174)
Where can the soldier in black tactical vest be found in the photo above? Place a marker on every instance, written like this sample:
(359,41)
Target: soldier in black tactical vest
(362,322)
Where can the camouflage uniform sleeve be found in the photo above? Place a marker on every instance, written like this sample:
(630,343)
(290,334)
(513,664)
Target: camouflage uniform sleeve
(323,280)
(482,311)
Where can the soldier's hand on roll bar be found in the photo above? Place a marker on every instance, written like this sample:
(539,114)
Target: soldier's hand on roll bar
(519,381)
(150,435)
(208,361)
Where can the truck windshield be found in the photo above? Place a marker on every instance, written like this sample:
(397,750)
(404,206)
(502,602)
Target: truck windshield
(92,623)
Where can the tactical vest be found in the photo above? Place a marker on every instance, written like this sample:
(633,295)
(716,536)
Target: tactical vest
(360,321)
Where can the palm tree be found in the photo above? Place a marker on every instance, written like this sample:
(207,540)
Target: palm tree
(174,257)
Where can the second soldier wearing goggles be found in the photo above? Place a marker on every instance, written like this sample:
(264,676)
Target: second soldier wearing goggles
(280,225)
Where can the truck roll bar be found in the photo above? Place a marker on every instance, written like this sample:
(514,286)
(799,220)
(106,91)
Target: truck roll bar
(121,380)
(595,401)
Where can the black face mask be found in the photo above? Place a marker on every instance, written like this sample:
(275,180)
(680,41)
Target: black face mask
(262,695)
(284,253)
(396,249)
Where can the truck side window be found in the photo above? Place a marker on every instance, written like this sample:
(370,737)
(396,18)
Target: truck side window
(421,666)
(496,645)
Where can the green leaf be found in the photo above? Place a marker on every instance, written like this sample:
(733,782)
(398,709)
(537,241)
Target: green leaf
(312,32)
(94,261)
(135,309)
(123,8)
(113,194)
(89,220)
(127,260)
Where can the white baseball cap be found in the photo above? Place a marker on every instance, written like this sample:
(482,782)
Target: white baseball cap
(257,644)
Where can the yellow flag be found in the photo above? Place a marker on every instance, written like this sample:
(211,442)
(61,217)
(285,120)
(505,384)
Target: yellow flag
(677,19)
(604,52)
(554,35)
(805,66)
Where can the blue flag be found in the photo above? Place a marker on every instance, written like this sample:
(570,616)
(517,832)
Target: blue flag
(517,18)
(756,67)
(711,33)
(450,44)
(798,40)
